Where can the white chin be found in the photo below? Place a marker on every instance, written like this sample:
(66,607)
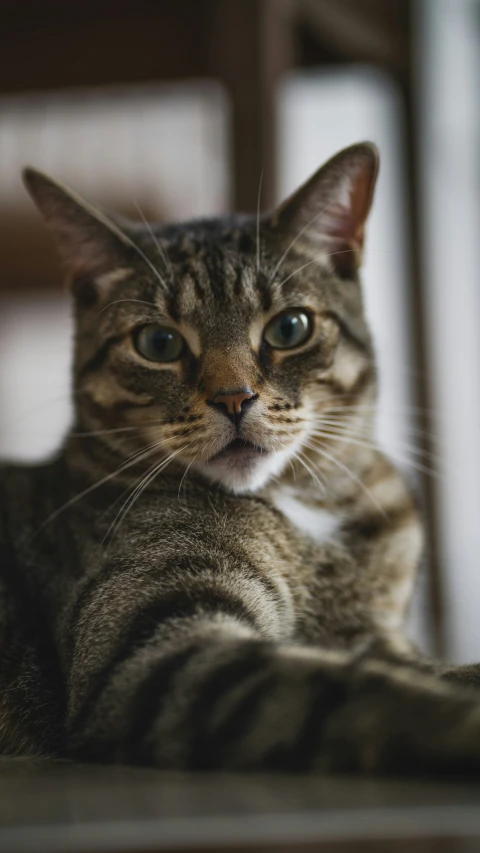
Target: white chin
(240,474)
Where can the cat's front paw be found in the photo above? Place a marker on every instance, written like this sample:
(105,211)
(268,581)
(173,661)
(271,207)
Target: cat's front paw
(464,676)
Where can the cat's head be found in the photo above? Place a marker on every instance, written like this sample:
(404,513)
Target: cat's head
(222,344)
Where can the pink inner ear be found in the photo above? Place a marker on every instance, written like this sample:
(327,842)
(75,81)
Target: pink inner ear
(345,220)
(81,253)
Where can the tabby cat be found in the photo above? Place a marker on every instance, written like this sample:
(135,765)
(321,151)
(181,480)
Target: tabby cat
(213,572)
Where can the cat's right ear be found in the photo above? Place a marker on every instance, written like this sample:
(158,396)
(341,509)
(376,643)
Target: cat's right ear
(329,211)
(91,245)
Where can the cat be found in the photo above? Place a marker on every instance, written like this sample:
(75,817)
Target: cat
(214,570)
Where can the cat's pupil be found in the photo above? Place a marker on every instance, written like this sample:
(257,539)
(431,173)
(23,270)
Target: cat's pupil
(161,341)
(288,328)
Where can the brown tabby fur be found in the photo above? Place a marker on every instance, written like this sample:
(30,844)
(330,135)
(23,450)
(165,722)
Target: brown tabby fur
(165,607)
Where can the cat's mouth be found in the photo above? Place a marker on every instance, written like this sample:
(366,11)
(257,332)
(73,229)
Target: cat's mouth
(240,466)
(238,449)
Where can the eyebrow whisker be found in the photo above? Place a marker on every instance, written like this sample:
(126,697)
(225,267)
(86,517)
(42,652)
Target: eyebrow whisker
(116,302)
(259,195)
(161,251)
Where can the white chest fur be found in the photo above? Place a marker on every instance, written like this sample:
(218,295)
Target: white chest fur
(318,523)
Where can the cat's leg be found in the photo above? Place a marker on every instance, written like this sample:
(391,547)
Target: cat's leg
(187,681)
(398,650)
(460,675)
(467,675)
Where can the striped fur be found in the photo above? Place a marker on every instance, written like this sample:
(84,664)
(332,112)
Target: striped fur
(162,605)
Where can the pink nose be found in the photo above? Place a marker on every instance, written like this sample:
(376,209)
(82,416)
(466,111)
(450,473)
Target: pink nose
(233,402)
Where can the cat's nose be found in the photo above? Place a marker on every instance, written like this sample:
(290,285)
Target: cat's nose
(233,404)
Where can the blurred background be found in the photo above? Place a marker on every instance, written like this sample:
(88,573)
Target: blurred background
(178,106)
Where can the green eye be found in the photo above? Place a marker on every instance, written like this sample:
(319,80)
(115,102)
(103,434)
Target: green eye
(159,343)
(288,330)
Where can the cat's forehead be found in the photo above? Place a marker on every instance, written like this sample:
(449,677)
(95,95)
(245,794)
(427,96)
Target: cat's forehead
(216,236)
(235,232)
(214,269)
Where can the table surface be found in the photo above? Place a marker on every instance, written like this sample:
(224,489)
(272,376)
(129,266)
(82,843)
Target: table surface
(47,807)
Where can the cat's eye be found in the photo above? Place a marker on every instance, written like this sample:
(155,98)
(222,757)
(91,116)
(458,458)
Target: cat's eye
(159,343)
(288,330)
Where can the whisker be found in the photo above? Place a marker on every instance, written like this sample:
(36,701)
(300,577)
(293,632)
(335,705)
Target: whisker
(338,396)
(185,474)
(118,232)
(292,243)
(128,490)
(352,476)
(417,466)
(133,460)
(259,195)
(131,500)
(280,284)
(117,301)
(133,495)
(318,260)
(409,428)
(352,435)
(410,409)
(149,263)
(114,430)
(161,251)
(376,405)
(300,457)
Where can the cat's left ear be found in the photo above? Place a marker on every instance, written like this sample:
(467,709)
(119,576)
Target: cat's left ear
(327,214)
(91,245)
